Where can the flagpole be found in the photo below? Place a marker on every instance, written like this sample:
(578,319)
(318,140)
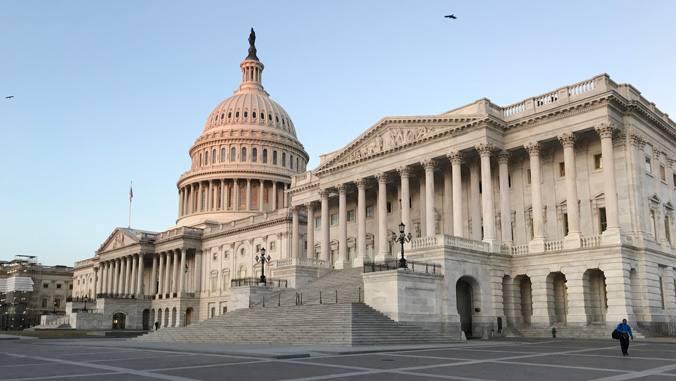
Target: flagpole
(131,194)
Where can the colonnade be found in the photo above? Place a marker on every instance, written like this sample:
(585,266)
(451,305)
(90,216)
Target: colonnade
(453,180)
(223,194)
(168,275)
(121,276)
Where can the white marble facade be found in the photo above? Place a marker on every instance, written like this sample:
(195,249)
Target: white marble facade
(557,210)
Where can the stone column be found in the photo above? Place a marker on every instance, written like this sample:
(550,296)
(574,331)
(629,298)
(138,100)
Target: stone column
(160,274)
(260,195)
(430,216)
(97,279)
(361,223)
(456,160)
(176,272)
(343,261)
(198,270)
(226,195)
(133,273)
(248,194)
(104,277)
(274,196)
(383,254)
(405,174)
(537,244)
(123,276)
(310,230)
(153,276)
(294,232)
(573,238)
(167,273)
(326,237)
(139,280)
(487,205)
(180,202)
(111,276)
(612,235)
(181,283)
(235,191)
(128,277)
(447,208)
(475,200)
(505,209)
(199,197)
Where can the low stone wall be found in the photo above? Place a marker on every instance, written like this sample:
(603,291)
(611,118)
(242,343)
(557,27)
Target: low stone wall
(240,297)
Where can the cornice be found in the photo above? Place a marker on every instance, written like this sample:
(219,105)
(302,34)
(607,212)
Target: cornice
(222,233)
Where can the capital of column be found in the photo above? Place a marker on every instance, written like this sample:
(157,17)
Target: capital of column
(533,148)
(567,139)
(637,139)
(605,130)
(455,157)
(309,205)
(430,165)
(342,188)
(382,177)
(670,161)
(503,157)
(361,183)
(404,171)
(485,149)
(474,164)
(657,153)
(324,193)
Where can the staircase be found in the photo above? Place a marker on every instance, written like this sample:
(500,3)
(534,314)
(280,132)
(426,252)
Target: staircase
(325,324)
(284,320)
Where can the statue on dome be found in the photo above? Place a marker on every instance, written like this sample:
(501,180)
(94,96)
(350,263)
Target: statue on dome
(252,45)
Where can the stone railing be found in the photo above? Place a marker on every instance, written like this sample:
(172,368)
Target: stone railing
(84,263)
(505,249)
(553,246)
(181,231)
(520,250)
(309,262)
(593,241)
(448,240)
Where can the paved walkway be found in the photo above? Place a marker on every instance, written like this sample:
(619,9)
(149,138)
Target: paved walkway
(551,360)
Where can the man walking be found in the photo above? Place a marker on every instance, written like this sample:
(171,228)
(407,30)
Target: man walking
(625,332)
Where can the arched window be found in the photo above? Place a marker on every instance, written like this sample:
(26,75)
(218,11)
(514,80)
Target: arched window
(283,159)
(291,161)
(246,114)
(222,155)
(233,153)
(201,162)
(206,157)
(254,155)
(229,115)
(242,270)
(253,115)
(254,197)
(243,156)
(297,166)
(274,157)
(213,157)
(242,197)
(265,156)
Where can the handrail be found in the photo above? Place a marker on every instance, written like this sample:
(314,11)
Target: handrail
(393,264)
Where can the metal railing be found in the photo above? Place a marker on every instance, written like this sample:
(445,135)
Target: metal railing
(117,296)
(342,296)
(393,264)
(279,283)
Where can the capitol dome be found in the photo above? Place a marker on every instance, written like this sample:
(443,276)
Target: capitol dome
(245,157)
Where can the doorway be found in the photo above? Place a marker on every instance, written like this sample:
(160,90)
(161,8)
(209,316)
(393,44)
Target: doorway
(118,320)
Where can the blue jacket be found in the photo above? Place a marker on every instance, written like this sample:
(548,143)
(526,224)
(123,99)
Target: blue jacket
(622,327)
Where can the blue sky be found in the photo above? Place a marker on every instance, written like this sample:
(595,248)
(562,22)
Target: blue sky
(108,92)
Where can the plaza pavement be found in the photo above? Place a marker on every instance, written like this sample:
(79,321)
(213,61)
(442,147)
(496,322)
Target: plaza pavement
(543,359)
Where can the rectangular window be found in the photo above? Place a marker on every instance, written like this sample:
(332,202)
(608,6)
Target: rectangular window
(215,256)
(663,173)
(213,311)
(667,231)
(527,176)
(648,164)
(389,207)
(562,169)
(273,245)
(334,219)
(57,303)
(44,302)
(662,292)
(226,254)
(603,223)
(58,285)
(565,224)
(350,215)
(45,285)
(369,212)
(598,161)
(674,179)
(318,222)
(258,248)
(225,309)
(214,282)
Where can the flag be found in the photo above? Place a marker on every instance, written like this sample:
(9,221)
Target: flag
(131,193)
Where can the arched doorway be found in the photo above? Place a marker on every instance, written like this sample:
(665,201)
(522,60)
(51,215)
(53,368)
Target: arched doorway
(188,316)
(595,281)
(467,302)
(159,316)
(118,320)
(525,298)
(166,317)
(146,319)
(558,296)
(174,321)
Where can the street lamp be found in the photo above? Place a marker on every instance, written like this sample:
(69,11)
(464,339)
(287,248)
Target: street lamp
(262,260)
(401,239)
(86,299)
(54,310)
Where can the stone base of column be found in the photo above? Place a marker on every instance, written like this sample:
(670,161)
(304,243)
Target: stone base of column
(342,264)
(572,241)
(382,257)
(537,245)
(493,245)
(359,262)
(612,236)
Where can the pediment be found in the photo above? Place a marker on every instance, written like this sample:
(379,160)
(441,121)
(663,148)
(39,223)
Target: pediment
(117,239)
(669,206)
(655,199)
(392,134)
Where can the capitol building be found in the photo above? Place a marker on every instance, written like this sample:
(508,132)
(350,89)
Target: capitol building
(555,211)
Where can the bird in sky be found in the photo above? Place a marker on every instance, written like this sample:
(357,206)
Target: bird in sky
(451,17)
(9,96)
